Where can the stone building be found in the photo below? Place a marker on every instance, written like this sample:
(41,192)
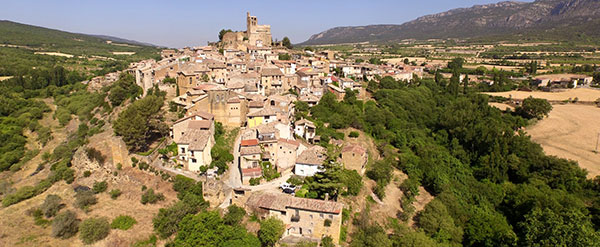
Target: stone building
(255,35)
(354,157)
(305,218)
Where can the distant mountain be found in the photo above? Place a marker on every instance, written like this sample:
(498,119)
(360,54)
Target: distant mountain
(40,38)
(542,19)
(121,40)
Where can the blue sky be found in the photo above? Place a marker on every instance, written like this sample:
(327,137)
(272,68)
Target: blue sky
(180,23)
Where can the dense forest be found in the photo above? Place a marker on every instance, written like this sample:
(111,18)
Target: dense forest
(492,185)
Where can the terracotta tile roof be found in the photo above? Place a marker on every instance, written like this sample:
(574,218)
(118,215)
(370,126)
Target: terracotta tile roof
(196,139)
(251,142)
(354,148)
(315,155)
(252,172)
(290,143)
(309,98)
(263,112)
(271,72)
(201,114)
(281,202)
(305,122)
(256,104)
(210,87)
(199,124)
(250,150)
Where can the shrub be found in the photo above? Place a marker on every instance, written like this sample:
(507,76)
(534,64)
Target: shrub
(85,198)
(151,197)
(94,154)
(234,215)
(123,222)
(327,241)
(255,181)
(100,187)
(65,225)
(295,180)
(87,173)
(327,223)
(353,134)
(150,242)
(51,205)
(119,166)
(93,229)
(115,193)
(21,194)
(143,166)
(38,217)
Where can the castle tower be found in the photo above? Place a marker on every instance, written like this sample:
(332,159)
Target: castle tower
(251,23)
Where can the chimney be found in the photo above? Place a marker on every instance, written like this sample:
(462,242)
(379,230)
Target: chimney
(326,196)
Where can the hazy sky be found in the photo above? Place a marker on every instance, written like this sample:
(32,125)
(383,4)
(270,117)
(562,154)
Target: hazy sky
(189,23)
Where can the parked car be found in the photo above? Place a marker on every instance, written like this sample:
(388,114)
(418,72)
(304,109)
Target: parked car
(289,190)
(286,186)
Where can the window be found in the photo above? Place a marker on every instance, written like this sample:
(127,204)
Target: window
(321,215)
(193,160)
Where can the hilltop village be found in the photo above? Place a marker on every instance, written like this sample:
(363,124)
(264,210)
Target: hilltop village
(254,141)
(250,83)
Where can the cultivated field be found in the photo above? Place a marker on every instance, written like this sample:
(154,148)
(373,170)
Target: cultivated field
(54,54)
(583,94)
(571,132)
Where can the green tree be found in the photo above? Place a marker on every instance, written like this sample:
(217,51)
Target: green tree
(141,121)
(284,56)
(208,229)
(543,227)
(166,222)
(489,228)
(534,108)
(234,215)
(466,84)
(222,33)
(456,63)
(287,43)
(437,222)
(270,231)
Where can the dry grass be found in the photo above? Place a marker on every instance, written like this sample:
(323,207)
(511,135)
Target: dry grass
(501,106)
(571,132)
(18,229)
(583,94)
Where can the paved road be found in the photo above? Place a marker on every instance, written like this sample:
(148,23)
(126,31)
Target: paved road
(235,177)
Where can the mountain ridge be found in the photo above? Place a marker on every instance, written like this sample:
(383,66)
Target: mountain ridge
(544,18)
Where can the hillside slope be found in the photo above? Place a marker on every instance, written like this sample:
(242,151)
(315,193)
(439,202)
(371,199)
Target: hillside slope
(542,19)
(40,38)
